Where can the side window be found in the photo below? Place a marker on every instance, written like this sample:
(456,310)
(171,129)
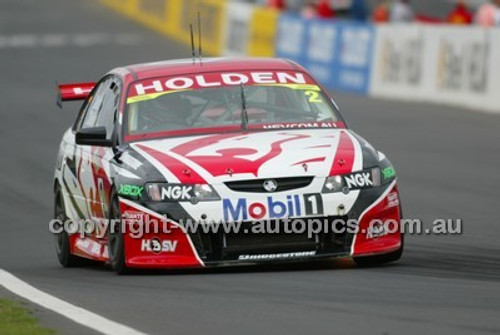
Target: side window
(89,113)
(101,108)
(109,108)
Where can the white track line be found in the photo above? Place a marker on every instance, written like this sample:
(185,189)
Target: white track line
(72,312)
(20,41)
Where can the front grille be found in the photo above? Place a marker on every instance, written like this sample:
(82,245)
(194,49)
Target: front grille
(257,185)
(221,246)
(263,243)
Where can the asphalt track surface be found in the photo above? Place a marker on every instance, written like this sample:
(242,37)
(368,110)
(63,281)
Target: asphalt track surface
(447,159)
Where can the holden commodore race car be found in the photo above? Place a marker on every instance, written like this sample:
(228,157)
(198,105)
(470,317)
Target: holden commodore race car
(233,160)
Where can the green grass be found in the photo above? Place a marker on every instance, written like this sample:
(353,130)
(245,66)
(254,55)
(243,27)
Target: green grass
(16,319)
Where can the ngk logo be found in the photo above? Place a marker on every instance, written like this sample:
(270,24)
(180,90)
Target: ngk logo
(156,245)
(176,192)
(359,180)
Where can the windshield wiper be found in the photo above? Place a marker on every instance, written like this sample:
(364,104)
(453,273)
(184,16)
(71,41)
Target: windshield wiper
(244,113)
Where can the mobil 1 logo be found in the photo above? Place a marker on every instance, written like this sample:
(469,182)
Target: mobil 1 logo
(313,204)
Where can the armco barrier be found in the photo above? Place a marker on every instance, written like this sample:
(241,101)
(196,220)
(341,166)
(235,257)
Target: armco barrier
(495,75)
(160,15)
(339,53)
(213,18)
(172,17)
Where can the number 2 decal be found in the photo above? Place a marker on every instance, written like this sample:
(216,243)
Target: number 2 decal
(313,96)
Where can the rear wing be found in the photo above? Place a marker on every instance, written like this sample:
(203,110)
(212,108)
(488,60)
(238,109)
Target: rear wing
(76,91)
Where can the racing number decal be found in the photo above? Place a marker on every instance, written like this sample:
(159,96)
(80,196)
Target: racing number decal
(313,204)
(313,96)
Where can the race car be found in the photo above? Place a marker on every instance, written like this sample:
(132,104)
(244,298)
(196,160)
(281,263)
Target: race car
(216,162)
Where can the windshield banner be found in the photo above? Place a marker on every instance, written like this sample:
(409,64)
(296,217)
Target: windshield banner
(155,87)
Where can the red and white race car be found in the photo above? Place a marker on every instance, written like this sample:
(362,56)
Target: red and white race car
(181,164)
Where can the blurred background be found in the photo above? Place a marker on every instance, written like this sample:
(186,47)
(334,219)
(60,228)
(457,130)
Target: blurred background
(439,51)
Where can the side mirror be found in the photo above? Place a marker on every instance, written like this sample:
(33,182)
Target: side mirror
(93,136)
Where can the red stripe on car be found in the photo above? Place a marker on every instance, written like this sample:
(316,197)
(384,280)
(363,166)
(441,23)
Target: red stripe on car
(344,158)
(182,171)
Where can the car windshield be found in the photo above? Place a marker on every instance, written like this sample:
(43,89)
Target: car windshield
(187,108)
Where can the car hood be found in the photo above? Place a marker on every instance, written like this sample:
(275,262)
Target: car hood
(253,155)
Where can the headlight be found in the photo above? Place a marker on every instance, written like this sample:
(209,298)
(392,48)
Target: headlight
(333,184)
(181,192)
(354,181)
(205,192)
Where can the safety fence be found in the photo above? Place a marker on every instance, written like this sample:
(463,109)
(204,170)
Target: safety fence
(434,63)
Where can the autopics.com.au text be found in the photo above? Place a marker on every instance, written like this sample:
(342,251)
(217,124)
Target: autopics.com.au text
(141,224)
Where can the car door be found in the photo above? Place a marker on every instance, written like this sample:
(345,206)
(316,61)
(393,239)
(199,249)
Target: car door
(100,157)
(92,162)
(74,167)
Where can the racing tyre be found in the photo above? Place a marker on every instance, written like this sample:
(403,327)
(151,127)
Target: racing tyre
(116,248)
(381,259)
(63,249)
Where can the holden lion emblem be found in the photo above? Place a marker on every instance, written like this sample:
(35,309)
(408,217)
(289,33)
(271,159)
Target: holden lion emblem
(270,185)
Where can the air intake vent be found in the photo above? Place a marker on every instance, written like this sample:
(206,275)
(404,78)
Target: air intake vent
(257,185)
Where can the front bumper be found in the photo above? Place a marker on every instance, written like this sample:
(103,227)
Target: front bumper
(175,247)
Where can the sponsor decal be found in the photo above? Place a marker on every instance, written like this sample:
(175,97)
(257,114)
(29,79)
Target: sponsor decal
(157,246)
(88,246)
(176,192)
(131,190)
(359,180)
(295,125)
(153,88)
(133,215)
(292,206)
(392,200)
(181,192)
(277,256)
(376,230)
(388,172)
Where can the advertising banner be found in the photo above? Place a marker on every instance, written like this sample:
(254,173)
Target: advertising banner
(237,28)
(263,29)
(463,67)
(443,64)
(399,69)
(322,52)
(339,54)
(291,38)
(355,47)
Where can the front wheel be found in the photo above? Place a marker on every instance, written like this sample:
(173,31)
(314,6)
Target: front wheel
(63,249)
(116,246)
(381,259)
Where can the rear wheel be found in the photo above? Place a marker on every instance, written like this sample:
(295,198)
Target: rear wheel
(63,248)
(381,259)
(116,248)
